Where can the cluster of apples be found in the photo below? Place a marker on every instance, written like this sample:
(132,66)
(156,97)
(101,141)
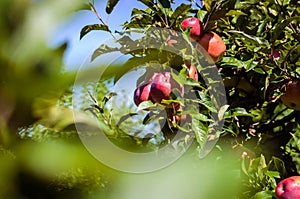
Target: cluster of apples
(288,188)
(158,88)
(209,40)
(160,85)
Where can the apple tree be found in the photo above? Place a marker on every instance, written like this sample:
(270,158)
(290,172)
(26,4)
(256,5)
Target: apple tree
(259,70)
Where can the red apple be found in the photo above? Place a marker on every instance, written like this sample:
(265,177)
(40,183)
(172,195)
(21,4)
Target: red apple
(213,44)
(161,87)
(291,97)
(142,93)
(276,54)
(196,27)
(288,188)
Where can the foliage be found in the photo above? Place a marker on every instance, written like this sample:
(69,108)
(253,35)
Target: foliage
(252,75)
(38,134)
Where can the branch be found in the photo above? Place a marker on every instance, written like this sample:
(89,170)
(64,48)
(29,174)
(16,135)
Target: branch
(100,18)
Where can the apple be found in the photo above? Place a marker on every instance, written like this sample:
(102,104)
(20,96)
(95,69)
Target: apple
(196,27)
(161,87)
(288,188)
(213,44)
(193,73)
(142,93)
(276,54)
(291,97)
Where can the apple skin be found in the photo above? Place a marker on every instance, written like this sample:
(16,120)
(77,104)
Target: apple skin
(288,188)
(142,93)
(291,97)
(213,44)
(196,27)
(276,54)
(161,88)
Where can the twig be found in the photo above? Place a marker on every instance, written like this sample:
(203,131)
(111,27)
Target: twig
(100,18)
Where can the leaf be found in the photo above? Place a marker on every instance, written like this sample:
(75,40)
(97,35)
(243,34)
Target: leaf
(263,195)
(237,112)
(201,15)
(281,26)
(222,111)
(165,3)
(258,40)
(88,28)
(110,5)
(136,11)
(150,4)
(200,131)
(103,49)
(125,117)
(181,10)
(145,105)
(208,4)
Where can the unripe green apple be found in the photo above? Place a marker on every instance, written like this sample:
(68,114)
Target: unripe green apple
(213,44)
(291,97)
(288,188)
(196,27)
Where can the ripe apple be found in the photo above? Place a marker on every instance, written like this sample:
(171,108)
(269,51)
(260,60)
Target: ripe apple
(291,97)
(142,93)
(288,188)
(161,87)
(193,73)
(213,44)
(276,54)
(196,27)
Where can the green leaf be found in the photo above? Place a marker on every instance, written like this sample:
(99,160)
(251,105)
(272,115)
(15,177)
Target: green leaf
(145,105)
(237,112)
(150,4)
(201,14)
(208,4)
(165,3)
(136,11)
(258,40)
(200,131)
(125,117)
(222,111)
(263,195)
(110,5)
(281,26)
(103,49)
(181,11)
(88,28)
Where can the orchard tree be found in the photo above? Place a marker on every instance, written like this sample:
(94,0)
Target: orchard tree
(218,80)
(255,48)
